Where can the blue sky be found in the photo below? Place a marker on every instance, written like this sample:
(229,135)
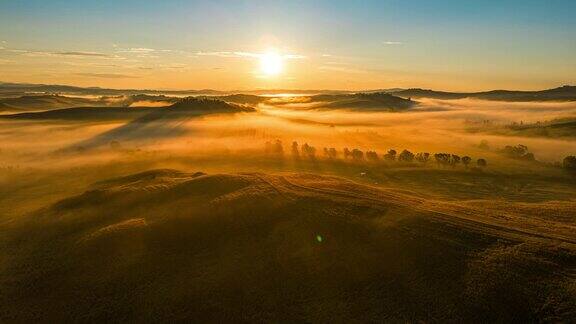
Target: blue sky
(343,44)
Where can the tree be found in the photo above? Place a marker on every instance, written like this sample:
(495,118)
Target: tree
(309,151)
(519,152)
(278,149)
(466,160)
(332,153)
(454,159)
(484,145)
(295,151)
(357,155)
(406,156)
(442,158)
(569,163)
(347,153)
(422,157)
(372,156)
(391,155)
(481,163)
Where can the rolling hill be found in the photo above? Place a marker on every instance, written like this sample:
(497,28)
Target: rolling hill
(46,102)
(166,245)
(187,107)
(564,93)
(377,101)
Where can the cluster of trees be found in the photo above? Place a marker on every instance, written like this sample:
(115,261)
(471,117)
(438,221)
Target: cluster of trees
(518,152)
(453,160)
(355,154)
(274,147)
(308,151)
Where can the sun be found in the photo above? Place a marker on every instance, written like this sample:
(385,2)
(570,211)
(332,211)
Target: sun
(271,63)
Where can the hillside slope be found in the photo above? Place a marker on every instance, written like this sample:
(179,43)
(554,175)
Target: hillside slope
(164,245)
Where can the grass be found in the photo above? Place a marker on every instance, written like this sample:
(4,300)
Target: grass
(168,245)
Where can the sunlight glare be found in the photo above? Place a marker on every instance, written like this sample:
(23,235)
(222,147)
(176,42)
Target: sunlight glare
(271,63)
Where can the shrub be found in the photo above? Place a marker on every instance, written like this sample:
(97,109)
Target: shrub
(569,163)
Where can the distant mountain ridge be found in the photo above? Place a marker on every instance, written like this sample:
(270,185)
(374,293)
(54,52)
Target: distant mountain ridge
(563,93)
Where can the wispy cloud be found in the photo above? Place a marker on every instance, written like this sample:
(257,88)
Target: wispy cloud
(143,52)
(239,54)
(219,54)
(76,54)
(343,69)
(89,54)
(392,43)
(107,75)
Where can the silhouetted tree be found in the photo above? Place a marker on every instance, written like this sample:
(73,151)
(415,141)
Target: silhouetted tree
(391,155)
(484,145)
(309,151)
(406,156)
(278,149)
(481,163)
(519,152)
(442,158)
(423,157)
(357,155)
(372,156)
(454,160)
(529,157)
(569,163)
(295,151)
(332,153)
(347,153)
(466,160)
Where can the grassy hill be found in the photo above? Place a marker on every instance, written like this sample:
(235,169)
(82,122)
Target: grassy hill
(45,102)
(187,107)
(377,101)
(166,245)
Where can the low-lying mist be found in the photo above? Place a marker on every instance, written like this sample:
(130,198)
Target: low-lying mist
(433,126)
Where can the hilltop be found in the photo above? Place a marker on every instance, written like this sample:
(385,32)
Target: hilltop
(378,101)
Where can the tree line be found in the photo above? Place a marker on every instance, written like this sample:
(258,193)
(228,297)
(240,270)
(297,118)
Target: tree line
(307,151)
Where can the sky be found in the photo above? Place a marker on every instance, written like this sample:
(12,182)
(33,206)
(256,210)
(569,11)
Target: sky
(451,45)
